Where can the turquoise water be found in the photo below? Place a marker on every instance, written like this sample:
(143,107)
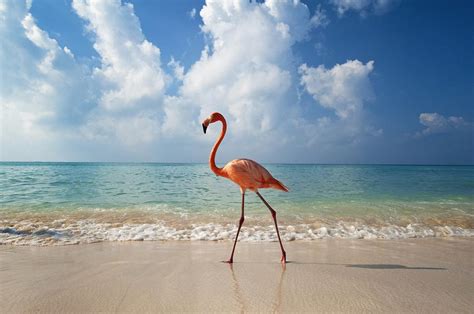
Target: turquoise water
(339,199)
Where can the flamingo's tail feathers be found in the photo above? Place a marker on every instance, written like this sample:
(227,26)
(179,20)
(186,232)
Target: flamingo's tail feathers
(279,186)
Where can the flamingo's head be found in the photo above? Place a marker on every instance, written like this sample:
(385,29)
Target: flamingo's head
(214,117)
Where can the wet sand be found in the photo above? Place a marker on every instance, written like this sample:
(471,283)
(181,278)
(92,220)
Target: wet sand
(416,275)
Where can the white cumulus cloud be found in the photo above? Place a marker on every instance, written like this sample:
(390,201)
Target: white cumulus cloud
(131,79)
(363,6)
(320,18)
(192,13)
(40,89)
(436,123)
(343,88)
(178,69)
(130,72)
(247,69)
(50,101)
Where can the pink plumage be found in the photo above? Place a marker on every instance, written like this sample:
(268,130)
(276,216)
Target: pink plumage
(249,174)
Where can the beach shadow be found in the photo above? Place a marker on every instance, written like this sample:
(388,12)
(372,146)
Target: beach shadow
(370,266)
(391,266)
(366,266)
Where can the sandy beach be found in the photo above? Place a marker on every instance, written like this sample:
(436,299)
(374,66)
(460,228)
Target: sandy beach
(416,275)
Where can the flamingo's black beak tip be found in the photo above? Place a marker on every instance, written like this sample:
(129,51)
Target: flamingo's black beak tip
(204,128)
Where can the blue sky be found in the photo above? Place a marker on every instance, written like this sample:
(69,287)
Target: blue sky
(353,81)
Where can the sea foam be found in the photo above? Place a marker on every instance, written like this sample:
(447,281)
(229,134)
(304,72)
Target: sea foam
(89,231)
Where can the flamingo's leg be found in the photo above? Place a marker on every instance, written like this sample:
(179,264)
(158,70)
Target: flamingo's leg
(241,222)
(283,253)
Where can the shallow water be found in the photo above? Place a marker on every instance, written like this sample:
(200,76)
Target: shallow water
(64,203)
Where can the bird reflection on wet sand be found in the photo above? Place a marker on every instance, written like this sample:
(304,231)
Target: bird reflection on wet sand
(240,298)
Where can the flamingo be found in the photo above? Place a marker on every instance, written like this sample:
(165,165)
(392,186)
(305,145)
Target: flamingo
(248,175)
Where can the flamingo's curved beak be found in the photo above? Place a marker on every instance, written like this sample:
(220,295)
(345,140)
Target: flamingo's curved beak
(204,128)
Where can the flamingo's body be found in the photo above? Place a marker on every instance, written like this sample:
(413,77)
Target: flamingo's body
(247,174)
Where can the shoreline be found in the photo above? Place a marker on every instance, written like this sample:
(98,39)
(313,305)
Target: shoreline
(83,227)
(327,275)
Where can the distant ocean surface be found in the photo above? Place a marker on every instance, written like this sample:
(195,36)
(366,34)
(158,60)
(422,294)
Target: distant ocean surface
(71,203)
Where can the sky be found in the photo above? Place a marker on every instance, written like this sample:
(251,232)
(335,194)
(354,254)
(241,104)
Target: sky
(333,81)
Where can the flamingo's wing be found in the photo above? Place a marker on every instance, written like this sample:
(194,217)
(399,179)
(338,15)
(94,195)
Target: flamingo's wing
(250,174)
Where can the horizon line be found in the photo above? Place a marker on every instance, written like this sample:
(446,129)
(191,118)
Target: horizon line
(267,163)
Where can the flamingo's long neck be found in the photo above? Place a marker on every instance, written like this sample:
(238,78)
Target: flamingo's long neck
(212,158)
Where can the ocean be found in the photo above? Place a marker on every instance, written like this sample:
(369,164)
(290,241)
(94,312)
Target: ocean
(72,203)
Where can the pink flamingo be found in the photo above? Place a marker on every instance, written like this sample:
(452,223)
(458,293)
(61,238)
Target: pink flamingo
(247,174)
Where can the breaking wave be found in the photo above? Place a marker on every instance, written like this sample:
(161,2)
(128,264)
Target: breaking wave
(61,232)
